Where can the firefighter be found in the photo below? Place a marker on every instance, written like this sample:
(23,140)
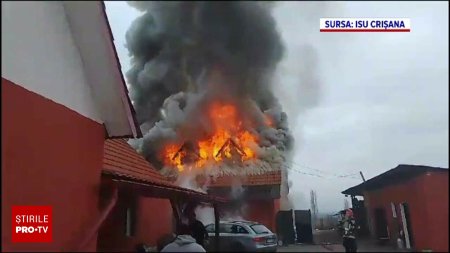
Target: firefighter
(198,229)
(349,237)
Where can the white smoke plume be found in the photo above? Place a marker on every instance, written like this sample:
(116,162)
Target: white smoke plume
(285,200)
(236,188)
(205,214)
(299,73)
(187,180)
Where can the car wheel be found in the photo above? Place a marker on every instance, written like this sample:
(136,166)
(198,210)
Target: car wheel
(280,243)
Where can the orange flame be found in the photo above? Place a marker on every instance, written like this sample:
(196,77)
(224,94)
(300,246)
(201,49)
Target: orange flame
(269,121)
(228,140)
(172,156)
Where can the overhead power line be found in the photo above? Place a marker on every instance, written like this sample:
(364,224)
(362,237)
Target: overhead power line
(323,171)
(294,164)
(294,169)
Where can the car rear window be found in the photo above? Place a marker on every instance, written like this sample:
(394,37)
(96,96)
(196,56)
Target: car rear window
(260,229)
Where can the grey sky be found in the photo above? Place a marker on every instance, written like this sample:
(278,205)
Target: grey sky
(356,101)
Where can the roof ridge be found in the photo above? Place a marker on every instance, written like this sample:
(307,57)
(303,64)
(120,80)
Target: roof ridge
(400,173)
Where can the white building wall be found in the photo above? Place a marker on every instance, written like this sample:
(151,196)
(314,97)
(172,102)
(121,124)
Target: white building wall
(39,54)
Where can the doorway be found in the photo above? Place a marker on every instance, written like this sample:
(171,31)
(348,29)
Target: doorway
(303,227)
(381,224)
(285,227)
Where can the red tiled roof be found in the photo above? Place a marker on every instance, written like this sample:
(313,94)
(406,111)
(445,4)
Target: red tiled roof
(121,159)
(123,163)
(269,178)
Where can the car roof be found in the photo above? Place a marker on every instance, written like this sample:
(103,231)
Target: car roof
(236,222)
(245,222)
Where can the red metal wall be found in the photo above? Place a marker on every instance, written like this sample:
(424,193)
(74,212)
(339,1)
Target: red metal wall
(427,197)
(51,156)
(436,209)
(262,211)
(154,219)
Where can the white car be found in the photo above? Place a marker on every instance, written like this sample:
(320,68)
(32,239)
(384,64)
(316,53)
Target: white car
(242,236)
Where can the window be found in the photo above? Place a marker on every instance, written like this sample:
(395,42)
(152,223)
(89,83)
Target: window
(260,229)
(130,220)
(225,228)
(236,229)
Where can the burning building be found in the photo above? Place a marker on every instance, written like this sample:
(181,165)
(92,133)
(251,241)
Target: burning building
(249,196)
(201,84)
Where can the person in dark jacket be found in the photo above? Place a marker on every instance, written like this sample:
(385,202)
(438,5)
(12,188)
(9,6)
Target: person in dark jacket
(349,237)
(197,228)
(183,242)
(164,240)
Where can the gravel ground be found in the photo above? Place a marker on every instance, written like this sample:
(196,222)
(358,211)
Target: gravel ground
(333,248)
(330,241)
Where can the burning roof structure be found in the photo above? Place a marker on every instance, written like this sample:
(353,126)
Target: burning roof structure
(198,74)
(201,83)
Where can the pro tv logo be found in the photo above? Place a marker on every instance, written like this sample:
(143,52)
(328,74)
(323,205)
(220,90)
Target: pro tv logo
(31,224)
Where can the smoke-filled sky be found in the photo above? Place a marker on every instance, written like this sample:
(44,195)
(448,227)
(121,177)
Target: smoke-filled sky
(355,101)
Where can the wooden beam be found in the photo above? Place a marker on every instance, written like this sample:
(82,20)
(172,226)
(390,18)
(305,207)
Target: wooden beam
(238,148)
(231,143)
(186,148)
(217,228)
(178,152)
(221,148)
(176,213)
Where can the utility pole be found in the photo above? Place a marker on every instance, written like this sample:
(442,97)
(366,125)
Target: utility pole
(362,176)
(314,208)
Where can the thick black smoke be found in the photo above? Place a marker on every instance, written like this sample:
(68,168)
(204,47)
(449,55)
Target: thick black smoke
(185,54)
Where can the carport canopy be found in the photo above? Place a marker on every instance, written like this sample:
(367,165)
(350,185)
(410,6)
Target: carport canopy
(127,171)
(159,189)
